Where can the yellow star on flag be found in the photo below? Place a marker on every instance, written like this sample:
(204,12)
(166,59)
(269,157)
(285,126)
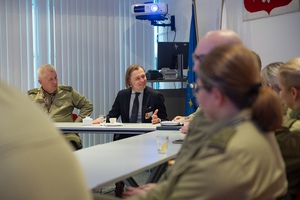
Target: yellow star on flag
(187,82)
(188,69)
(190,102)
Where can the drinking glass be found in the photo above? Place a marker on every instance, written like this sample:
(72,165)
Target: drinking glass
(102,119)
(162,144)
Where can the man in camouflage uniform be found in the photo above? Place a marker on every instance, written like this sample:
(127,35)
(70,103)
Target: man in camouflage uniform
(59,101)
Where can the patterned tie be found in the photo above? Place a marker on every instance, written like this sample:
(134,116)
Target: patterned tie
(135,109)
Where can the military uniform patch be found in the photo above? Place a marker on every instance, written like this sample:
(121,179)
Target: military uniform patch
(64,87)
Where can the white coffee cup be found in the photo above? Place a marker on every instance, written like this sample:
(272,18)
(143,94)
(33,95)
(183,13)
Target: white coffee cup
(87,121)
(113,120)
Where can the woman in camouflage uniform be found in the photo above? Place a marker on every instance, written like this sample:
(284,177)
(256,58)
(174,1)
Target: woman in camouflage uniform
(288,136)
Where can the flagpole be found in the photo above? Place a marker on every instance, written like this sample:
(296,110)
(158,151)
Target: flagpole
(221,14)
(196,24)
(190,103)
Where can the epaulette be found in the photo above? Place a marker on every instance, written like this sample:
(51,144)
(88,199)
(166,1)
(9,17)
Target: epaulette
(221,139)
(33,91)
(288,123)
(65,87)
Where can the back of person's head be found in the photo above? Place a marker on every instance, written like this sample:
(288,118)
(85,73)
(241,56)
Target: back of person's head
(211,40)
(219,37)
(129,71)
(270,74)
(289,73)
(258,59)
(43,68)
(215,38)
(233,69)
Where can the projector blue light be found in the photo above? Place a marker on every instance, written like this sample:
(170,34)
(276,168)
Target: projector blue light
(154,8)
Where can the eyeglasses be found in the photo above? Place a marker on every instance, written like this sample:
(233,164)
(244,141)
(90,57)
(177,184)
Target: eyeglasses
(200,57)
(195,88)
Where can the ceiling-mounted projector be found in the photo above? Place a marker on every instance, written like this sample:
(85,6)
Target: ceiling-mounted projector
(154,12)
(149,9)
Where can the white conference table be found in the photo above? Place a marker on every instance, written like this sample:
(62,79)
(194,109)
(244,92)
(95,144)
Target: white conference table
(112,162)
(125,128)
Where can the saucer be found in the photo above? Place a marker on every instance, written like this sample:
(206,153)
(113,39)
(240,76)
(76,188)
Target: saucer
(170,123)
(115,124)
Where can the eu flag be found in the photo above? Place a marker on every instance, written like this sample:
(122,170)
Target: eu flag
(191,105)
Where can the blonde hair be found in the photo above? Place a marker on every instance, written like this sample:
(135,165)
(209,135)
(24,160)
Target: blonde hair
(129,71)
(270,74)
(43,68)
(289,73)
(234,70)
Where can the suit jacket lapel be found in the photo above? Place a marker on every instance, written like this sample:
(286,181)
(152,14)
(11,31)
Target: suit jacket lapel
(127,103)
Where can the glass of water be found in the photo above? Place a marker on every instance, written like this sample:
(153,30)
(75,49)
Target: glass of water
(162,144)
(102,119)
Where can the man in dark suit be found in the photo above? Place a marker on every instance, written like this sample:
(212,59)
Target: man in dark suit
(151,102)
(151,107)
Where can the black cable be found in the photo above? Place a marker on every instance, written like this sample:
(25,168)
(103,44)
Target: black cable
(167,34)
(174,35)
(173,25)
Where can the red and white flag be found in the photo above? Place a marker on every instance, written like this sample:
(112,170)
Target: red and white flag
(255,9)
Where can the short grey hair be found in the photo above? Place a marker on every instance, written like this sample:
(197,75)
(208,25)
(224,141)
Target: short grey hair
(270,74)
(44,68)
